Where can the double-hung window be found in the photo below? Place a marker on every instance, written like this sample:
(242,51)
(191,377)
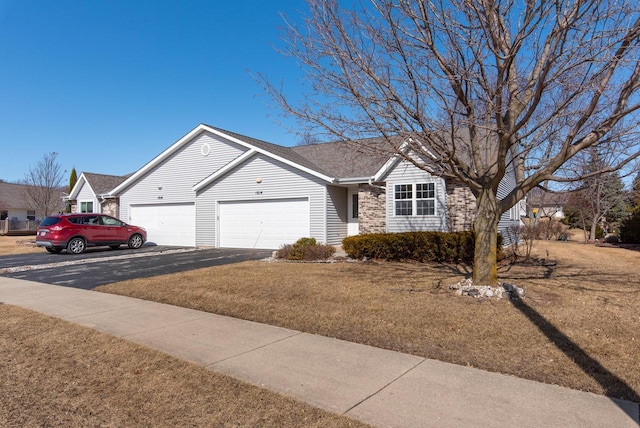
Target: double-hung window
(425,199)
(86,207)
(404,199)
(415,199)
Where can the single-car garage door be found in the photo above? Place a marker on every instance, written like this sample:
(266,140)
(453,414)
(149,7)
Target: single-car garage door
(166,224)
(263,224)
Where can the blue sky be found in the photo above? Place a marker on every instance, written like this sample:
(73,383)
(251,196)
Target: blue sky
(108,85)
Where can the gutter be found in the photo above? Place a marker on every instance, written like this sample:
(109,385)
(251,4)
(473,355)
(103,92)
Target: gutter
(360,180)
(376,186)
(353,180)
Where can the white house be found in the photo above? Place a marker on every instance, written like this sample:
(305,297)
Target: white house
(221,189)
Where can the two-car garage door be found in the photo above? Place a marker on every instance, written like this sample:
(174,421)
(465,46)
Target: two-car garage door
(242,224)
(263,224)
(166,224)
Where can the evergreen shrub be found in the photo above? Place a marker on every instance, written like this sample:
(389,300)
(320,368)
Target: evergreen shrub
(441,247)
(306,249)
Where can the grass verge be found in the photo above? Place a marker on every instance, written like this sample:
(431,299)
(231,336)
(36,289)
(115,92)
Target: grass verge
(57,374)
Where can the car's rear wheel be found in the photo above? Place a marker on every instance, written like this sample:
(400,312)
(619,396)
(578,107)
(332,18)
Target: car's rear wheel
(53,250)
(114,247)
(136,241)
(76,246)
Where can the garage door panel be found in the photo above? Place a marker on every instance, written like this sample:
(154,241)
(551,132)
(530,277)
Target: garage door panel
(166,224)
(266,224)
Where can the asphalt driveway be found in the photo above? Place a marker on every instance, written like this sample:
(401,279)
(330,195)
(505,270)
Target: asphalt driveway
(104,266)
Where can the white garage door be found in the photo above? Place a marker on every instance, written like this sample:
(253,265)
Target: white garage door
(263,224)
(166,224)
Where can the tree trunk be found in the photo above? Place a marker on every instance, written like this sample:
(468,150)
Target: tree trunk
(594,228)
(485,267)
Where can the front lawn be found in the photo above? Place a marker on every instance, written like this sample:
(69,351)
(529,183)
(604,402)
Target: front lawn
(10,245)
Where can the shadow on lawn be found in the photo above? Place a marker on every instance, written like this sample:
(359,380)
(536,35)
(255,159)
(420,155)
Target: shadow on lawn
(612,384)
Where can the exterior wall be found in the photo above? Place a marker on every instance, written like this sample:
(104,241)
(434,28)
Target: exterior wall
(461,207)
(86,195)
(510,217)
(16,214)
(407,173)
(277,181)
(173,180)
(17,221)
(371,209)
(337,214)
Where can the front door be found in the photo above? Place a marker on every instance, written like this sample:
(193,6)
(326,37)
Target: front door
(352,224)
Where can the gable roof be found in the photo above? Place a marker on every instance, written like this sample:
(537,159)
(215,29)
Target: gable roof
(539,197)
(348,159)
(100,184)
(281,153)
(13,196)
(335,162)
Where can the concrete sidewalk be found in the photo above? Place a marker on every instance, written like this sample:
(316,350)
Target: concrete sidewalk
(380,387)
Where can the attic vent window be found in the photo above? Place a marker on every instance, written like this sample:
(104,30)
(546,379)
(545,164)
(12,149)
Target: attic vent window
(205,149)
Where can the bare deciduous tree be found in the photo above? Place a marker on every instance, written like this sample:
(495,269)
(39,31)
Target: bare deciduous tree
(476,86)
(597,198)
(44,183)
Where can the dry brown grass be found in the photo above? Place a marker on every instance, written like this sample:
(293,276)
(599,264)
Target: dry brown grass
(57,374)
(10,245)
(579,325)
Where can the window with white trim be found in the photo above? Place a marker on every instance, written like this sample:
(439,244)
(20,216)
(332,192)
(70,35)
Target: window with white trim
(404,199)
(31,215)
(425,199)
(418,198)
(86,207)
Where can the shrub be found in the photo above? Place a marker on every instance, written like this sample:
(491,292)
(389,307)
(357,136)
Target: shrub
(443,247)
(306,249)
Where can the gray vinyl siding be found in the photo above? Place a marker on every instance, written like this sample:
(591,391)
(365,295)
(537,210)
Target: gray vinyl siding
(173,180)
(337,216)
(406,173)
(277,181)
(86,195)
(506,185)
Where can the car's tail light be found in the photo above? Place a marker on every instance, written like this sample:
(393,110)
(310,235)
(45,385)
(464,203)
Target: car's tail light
(57,228)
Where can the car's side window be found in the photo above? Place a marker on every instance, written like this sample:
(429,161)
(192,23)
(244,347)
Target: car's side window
(92,220)
(110,221)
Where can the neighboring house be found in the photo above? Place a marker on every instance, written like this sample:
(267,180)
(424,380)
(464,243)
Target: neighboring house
(90,194)
(221,189)
(16,212)
(544,203)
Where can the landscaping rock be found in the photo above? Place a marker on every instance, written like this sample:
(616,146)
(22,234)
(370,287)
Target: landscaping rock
(467,288)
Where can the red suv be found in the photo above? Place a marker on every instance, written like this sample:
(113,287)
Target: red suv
(76,232)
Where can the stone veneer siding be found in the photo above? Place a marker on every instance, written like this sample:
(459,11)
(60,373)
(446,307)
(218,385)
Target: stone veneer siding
(461,207)
(371,209)
(111,207)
